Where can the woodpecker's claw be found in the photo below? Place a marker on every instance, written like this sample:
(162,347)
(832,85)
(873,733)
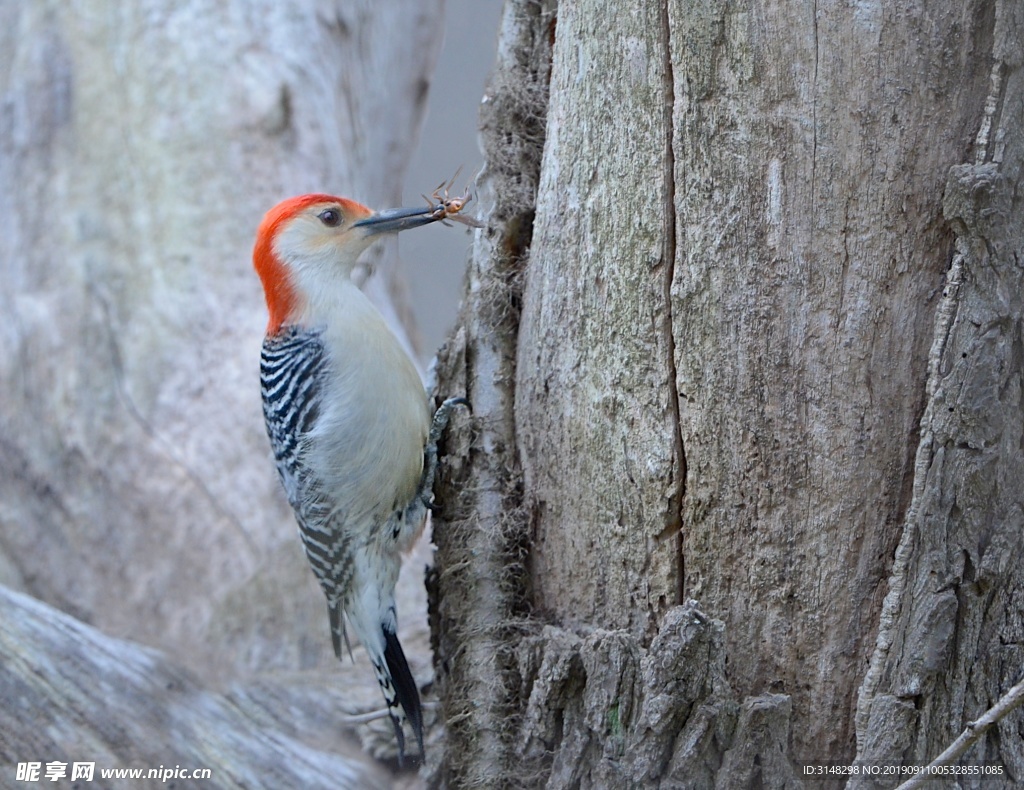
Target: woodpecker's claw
(442,415)
(425,495)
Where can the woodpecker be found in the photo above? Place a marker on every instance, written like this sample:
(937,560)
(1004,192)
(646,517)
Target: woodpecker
(349,422)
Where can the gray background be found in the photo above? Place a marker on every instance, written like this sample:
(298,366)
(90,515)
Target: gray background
(433,261)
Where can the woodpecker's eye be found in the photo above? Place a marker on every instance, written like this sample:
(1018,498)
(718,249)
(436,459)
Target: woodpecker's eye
(331,217)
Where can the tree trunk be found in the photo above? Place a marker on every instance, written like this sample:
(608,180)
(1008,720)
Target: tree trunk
(717,350)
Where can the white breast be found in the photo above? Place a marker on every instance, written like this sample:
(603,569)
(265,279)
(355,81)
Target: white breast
(374,421)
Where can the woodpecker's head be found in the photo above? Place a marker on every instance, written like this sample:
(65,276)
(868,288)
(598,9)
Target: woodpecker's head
(306,242)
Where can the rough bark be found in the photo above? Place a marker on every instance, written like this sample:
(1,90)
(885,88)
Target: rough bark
(72,694)
(141,143)
(713,388)
(601,397)
(812,147)
(477,595)
(949,645)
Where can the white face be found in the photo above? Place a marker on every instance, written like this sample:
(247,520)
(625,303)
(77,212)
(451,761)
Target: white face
(320,241)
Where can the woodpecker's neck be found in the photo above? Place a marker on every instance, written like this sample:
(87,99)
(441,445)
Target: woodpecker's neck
(308,290)
(338,303)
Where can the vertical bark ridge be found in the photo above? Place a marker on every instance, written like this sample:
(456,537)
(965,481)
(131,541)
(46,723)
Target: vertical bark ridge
(669,257)
(477,595)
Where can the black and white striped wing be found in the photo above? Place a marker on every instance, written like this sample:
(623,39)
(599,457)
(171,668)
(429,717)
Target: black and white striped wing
(292,368)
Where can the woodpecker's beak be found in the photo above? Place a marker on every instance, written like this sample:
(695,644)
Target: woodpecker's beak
(392,220)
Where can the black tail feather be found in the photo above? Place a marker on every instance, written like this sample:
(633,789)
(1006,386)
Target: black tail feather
(405,690)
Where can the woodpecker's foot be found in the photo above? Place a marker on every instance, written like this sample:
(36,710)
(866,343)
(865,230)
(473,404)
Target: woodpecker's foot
(441,417)
(425,495)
